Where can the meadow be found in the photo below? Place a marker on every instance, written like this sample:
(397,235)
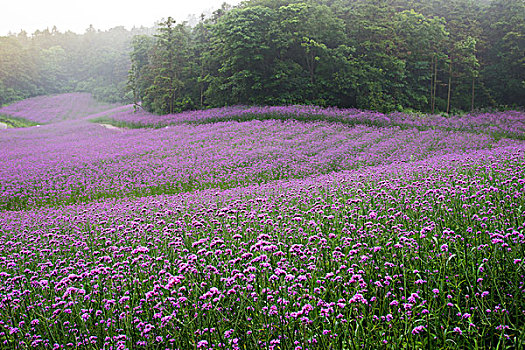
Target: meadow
(260,228)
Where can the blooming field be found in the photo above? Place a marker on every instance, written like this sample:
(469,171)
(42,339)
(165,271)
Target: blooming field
(49,109)
(501,124)
(76,161)
(276,235)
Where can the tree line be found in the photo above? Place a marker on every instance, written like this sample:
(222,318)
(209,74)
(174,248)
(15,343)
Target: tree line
(386,55)
(426,55)
(51,62)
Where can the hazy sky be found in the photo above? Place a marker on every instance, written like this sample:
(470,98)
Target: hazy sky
(74,15)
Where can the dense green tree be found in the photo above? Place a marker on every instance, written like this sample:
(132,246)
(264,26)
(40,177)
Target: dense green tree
(428,55)
(503,58)
(168,63)
(18,70)
(49,61)
(53,76)
(201,67)
(139,78)
(239,41)
(419,41)
(305,37)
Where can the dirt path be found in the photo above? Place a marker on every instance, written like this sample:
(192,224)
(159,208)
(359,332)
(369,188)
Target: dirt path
(111,127)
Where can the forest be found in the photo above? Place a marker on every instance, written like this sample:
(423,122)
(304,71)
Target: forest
(386,55)
(52,62)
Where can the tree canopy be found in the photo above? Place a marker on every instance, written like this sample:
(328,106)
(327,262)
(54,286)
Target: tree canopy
(383,54)
(386,55)
(51,62)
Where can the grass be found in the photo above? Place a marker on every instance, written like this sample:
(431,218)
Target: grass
(15,122)
(121,124)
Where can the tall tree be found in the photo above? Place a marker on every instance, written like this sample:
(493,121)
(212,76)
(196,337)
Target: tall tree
(240,44)
(503,59)
(168,62)
(306,36)
(420,41)
(139,78)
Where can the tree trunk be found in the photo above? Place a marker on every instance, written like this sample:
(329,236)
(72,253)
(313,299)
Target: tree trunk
(472,101)
(449,86)
(432,77)
(202,86)
(435,85)
(311,68)
(310,64)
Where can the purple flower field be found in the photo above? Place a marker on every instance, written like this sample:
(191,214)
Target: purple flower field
(260,234)
(49,109)
(508,124)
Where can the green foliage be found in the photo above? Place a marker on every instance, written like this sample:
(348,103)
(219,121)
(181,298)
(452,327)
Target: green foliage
(168,64)
(50,62)
(387,55)
(243,54)
(381,55)
(138,78)
(15,122)
(503,72)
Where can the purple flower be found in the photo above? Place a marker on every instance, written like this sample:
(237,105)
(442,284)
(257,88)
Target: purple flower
(418,329)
